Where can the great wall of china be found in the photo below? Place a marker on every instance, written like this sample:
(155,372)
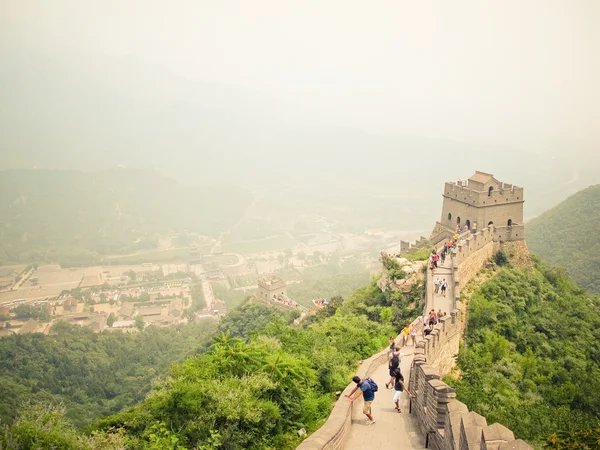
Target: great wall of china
(436,418)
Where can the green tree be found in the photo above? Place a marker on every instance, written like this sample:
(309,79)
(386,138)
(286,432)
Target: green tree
(139,322)
(525,364)
(42,426)
(111,319)
(501,258)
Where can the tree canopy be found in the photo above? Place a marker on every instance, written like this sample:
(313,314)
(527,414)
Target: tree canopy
(259,381)
(532,354)
(568,235)
(91,374)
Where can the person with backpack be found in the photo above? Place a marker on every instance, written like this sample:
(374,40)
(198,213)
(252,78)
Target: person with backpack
(444,287)
(367,387)
(399,386)
(394,365)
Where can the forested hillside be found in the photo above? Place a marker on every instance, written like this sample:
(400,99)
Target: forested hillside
(531,358)
(92,374)
(569,235)
(77,218)
(260,381)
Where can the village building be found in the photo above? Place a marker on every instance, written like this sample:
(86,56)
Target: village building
(176,307)
(30,327)
(123,323)
(152,311)
(4,313)
(70,304)
(127,309)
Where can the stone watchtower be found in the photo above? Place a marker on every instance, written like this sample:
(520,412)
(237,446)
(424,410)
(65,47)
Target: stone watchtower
(482,201)
(272,287)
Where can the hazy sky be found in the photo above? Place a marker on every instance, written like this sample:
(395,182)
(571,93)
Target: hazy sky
(510,71)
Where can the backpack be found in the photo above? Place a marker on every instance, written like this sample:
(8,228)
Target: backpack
(373,385)
(395,362)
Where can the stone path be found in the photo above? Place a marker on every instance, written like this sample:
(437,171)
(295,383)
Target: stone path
(392,429)
(437,301)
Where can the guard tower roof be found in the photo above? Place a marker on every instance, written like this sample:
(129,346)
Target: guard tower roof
(481,177)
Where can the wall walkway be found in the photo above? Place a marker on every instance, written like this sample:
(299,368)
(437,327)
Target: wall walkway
(436,419)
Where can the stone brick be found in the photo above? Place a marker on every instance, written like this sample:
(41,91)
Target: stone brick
(515,445)
(494,435)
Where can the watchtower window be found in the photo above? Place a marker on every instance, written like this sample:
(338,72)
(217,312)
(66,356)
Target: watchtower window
(509,223)
(449,216)
(490,191)
(468,224)
(458,220)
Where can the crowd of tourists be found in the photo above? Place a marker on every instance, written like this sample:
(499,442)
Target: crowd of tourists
(449,247)
(367,387)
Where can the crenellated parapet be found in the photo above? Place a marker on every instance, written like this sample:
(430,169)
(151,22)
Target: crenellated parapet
(482,201)
(447,423)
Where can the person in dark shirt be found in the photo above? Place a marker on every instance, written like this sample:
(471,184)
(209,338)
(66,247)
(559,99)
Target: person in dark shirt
(399,386)
(368,397)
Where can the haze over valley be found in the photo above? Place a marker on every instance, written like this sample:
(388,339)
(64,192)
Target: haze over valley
(214,215)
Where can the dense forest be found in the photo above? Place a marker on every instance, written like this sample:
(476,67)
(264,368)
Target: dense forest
(569,235)
(259,381)
(91,374)
(76,218)
(531,358)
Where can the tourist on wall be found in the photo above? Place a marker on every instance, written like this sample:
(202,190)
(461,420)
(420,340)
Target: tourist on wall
(413,334)
(367,389)
(405,333)
(399,387)
(394,365)
(432,319)
(392,344)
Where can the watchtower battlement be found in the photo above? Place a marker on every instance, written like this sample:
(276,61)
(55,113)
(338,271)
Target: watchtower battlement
(272,287)
(483,201)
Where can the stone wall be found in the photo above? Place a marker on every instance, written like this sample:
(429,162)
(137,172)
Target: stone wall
(472,252)
(446,423)
(332,434)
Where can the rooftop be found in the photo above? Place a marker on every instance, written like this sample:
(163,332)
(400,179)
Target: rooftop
(271,280)
(481,177)
(29,327)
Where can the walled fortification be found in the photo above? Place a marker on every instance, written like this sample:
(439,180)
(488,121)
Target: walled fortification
(447,423)
(479,202)
(332,434)
(472,252)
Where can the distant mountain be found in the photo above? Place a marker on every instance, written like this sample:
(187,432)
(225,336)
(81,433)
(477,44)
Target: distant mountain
(89,112)
(72,217)
(569,235)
